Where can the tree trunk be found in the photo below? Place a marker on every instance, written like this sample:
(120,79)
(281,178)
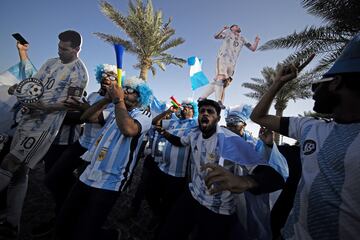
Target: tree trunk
(144,72)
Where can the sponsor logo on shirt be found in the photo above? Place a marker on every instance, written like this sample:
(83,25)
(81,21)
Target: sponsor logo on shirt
(309,147)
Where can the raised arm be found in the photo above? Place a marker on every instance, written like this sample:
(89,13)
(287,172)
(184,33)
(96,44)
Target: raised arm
(22,49)
(219,34)
(284,74)
(157,120)
(127,125)
(254,46)
(94,113)
(260,113)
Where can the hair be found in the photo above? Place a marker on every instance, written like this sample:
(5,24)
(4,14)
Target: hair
(101,68)
(194,106)
(71,36)
(233,26)
(209,102)
(144,91)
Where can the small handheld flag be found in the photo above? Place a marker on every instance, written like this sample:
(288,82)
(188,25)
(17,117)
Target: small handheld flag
(119,51)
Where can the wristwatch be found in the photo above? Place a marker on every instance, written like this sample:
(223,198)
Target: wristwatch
(117,100)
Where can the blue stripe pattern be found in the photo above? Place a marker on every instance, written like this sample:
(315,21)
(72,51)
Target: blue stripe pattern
(325,192)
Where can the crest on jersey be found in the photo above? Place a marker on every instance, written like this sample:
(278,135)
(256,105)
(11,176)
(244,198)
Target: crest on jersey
(29,90)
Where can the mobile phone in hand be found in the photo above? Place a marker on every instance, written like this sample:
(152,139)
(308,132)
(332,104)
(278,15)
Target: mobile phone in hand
(20,38)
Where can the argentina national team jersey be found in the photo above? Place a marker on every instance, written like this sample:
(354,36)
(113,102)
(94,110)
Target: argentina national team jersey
(113,156)
(327,202)
(38,128)
(174,159)
(205,151)
(91,130)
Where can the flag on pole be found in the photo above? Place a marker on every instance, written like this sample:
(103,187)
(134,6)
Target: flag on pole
(197,77)
(119,51)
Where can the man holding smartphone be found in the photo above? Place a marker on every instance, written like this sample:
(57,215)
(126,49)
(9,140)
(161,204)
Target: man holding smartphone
(62,78)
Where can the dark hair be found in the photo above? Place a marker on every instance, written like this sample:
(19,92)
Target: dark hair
(233,26)
(71,36)
(209,102)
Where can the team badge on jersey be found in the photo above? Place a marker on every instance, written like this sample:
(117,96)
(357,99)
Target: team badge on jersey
(29,90)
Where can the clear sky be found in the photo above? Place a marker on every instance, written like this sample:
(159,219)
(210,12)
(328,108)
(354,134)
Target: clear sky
(40,21)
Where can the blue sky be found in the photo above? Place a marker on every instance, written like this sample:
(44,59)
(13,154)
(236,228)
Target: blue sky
(40,21)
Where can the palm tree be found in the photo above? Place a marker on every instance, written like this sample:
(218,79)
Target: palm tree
(341,20)
(298,88)
(149,36)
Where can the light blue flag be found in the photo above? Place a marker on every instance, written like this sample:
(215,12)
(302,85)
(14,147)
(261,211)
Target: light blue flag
(235,149)
(197,77)
(157,107)
(276,160)
(8,103)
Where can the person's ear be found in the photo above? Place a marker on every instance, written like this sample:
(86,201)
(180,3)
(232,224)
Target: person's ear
(218,118)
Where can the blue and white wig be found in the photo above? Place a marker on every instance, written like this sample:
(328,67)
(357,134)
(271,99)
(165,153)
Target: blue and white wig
(194,106)
(104,68)
(145,93)
(240,111)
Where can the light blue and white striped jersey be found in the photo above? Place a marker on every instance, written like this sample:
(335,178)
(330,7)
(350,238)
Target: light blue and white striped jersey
(205,151)
(113,156)
(174,159)
(90,130)
(327,202)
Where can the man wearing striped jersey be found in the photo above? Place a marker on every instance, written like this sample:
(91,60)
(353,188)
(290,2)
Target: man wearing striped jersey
(112,159)
(211,215)
(327,201)
(60,178)
(61,78)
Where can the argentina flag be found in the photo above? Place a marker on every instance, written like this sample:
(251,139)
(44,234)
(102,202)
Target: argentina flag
(197,77)
(235,149)
(8,78)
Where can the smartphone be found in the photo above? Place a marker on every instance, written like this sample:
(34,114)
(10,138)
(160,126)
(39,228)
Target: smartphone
(20,38)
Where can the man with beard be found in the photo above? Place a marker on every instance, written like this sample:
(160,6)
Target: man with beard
(327,202)
(228,54)
(209,210)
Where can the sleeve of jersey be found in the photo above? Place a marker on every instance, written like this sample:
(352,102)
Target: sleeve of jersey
(144,120)
(79,79)
(297,125)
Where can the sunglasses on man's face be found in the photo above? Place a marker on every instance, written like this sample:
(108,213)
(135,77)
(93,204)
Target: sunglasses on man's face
(234,121)
(111,77)
(129,90)
(187,106)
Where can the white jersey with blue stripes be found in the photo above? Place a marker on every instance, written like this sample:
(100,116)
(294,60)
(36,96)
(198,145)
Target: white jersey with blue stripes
(174,159)
(327,202)
(113,156)
(37,129)
(205,151)
(90,130)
